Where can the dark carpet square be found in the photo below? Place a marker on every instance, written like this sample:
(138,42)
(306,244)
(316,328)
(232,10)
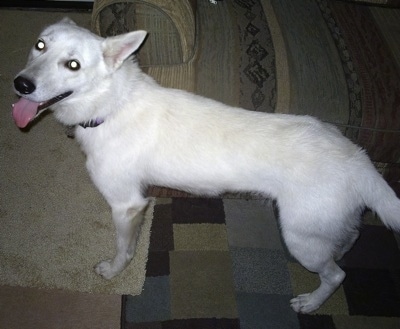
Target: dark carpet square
(146,325)
(316,321)
(157,263)
(376,248)
(161,238)
(372,292)
(262,311)
(163,211)
(202,324)
(197,210)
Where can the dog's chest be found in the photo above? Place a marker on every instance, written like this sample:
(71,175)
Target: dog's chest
(105,150)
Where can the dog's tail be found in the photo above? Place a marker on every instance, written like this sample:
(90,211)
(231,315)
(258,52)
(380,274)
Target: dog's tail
(380,197)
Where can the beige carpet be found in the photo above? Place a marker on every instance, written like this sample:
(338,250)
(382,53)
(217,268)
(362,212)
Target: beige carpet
(55,226)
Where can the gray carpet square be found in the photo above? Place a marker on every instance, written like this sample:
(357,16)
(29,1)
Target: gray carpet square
(260,270)
(250,224)
(153,304)
(259,311)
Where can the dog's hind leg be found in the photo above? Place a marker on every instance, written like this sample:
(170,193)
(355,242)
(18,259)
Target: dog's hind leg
(315,250)
(127,221)
(331,276)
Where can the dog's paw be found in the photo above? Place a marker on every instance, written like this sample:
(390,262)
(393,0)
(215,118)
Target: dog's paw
(304,303)
(105,269)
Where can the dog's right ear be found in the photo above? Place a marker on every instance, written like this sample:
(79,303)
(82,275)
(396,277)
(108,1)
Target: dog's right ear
(117,49)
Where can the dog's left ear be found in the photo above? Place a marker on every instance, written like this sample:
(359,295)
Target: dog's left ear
(117,49)
(67,20)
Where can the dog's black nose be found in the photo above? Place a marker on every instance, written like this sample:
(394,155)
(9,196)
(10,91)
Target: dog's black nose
(24,86)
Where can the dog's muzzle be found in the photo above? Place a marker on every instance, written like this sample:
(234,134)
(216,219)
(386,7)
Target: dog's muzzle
(25,110)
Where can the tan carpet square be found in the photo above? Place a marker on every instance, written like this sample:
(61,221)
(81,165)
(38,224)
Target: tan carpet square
(200,237)
(305,282)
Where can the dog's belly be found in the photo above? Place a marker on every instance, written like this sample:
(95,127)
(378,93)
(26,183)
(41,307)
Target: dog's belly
(205,174)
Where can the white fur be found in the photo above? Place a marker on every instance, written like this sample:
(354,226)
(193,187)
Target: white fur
(168,137)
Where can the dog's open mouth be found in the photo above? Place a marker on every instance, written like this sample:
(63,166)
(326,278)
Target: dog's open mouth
(24,111)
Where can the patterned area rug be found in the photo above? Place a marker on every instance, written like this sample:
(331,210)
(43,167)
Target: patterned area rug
(220,263)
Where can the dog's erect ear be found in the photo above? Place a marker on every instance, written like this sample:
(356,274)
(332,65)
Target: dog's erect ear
(67,20)
(117,49)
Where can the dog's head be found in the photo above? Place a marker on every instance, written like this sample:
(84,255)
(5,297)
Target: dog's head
(67,62)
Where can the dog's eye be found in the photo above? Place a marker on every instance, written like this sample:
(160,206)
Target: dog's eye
(73,65)
(40,45)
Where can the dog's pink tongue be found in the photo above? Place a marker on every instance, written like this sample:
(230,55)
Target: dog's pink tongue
(24,111)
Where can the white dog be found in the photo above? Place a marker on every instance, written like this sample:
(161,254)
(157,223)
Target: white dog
(136,133)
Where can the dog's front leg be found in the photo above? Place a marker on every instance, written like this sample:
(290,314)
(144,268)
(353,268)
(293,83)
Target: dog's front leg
(127,221)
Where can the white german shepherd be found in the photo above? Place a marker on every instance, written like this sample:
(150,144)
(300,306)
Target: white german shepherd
(136,133)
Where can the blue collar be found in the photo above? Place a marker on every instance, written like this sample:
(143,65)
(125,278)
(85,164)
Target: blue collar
(91,123)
